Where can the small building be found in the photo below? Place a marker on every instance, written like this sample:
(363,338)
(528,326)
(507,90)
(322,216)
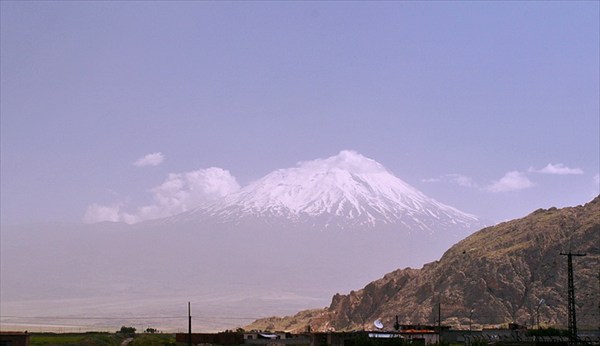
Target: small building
(249,336)
(14,338)
(225,338)
(424,336)
(276,339)
(335,338)
(416,337)
(413,336)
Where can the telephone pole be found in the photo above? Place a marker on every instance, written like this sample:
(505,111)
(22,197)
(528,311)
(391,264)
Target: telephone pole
(189,324)
(571,290)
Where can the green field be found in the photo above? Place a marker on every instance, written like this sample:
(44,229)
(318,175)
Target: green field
(154,340)
(100,339)
(51,339)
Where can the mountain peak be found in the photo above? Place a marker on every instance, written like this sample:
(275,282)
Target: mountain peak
(346,190)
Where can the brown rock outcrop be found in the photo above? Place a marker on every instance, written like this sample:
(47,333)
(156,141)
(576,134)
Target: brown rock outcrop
(499,273)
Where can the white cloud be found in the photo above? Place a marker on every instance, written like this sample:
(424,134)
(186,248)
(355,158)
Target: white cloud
(558,169)
(431,180)
(98,213)
(511,181)
(462,180)
(346,159)
(178,193)
(153,159)
(458,179)
(597,179)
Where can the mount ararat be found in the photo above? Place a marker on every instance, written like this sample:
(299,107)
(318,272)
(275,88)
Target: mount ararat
(284,242)
(344,191)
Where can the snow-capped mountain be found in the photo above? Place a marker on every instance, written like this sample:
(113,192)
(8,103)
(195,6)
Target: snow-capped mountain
(347,190)
(281,244)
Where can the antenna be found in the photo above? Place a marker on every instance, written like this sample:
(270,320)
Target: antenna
(378,324)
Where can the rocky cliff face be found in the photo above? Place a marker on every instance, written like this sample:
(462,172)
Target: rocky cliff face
(496,276)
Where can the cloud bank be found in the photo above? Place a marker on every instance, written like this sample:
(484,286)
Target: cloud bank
(181,192)
(178,193)
(511,181)
(99,213)
(558,169)
(346,159)
(153,159)
(458,179)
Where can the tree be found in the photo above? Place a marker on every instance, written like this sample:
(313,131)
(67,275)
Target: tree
(127,330)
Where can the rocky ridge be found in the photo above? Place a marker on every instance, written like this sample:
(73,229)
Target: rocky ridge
(499,273)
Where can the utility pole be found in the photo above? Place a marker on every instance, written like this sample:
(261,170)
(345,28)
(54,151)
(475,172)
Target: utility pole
(189,324)
(571,290)
(471,322)
(439,322)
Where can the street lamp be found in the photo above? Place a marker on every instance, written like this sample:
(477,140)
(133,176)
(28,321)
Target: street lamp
(471,321)
(542,301)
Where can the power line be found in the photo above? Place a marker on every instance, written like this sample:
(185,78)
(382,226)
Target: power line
(571,294)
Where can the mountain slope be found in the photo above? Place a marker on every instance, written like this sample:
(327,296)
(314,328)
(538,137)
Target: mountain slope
(500,273)
(344,191)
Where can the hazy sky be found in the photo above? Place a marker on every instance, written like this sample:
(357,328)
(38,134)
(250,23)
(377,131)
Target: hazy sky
(491,107)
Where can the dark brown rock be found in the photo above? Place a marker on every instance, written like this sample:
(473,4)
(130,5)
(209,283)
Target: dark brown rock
(500,273)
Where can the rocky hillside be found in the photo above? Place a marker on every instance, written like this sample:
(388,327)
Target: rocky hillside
(495,276)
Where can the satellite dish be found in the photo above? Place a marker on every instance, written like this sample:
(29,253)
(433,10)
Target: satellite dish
(378,324)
